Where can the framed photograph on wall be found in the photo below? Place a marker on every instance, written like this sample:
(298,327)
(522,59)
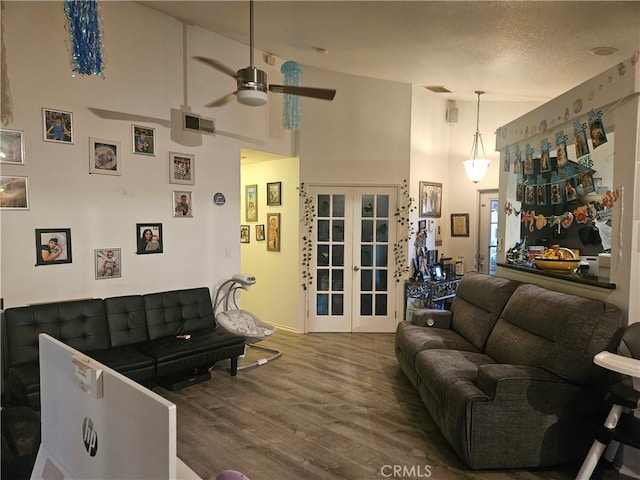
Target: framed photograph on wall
(11,146)
(104,157)
(274,193)
(459,224)
(430,195)
(149,238)
(251,203)
(57,126)
(14,193)
(245,235)
(182,168)
(53,246)
(260,232)
(422,225)
(107,262)
(144,140)
(182,204)
(273,232)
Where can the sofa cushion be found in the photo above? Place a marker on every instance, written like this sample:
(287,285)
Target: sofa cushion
(477,305)
(556,331)
(178,312)
(203,348)
(412,339)
(81,324)
(127,359)
(126,319)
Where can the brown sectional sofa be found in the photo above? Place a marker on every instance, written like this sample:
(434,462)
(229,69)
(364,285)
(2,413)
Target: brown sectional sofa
(508,373)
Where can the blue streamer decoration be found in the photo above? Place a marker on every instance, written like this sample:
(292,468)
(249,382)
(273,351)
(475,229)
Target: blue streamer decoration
(86,38)
(292,72)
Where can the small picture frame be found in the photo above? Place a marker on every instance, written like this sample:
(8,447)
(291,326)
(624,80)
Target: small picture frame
(108,263)
(435,272)
(14,193)
(53,246)
(273,232)
(149,238)
(104,156)
(57,126)
(260,232)
(245,234)
(274,193)
(144,140)
(182,202)
(182,168)
(251,203)
(422,225)
(459,224)
(430,199)
(11,146)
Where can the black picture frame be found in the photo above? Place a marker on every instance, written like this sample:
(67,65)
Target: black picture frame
(53,246)
(459,224)
(147,244)
(274,193)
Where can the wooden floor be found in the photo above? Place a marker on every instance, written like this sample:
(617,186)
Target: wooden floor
(334,406)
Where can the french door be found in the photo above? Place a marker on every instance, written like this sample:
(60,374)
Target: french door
(354,234)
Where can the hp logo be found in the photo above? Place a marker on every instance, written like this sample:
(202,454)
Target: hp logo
(89,436)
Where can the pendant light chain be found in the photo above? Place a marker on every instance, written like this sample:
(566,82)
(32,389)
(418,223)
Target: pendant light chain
(478,135)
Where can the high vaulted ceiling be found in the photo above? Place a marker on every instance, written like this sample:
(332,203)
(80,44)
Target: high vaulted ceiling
(513,50)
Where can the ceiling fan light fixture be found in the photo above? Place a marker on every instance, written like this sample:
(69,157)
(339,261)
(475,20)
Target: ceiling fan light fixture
(477,166)
(252,98)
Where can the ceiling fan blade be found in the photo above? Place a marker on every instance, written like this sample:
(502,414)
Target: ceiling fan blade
(217,65)
(129,117)
(320,93)
(222,100)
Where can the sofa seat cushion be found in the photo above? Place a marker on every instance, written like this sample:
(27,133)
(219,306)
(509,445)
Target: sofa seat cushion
(204,347)
(123,359)
(413,339)
(446,372)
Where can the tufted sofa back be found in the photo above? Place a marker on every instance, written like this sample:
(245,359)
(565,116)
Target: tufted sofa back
(178,312)
(81,324)
(555,331)
(127,320)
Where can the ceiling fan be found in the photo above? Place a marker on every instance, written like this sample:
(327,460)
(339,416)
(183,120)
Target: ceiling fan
(252,83)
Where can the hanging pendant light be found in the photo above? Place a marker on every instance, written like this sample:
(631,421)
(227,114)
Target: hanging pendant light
(477,166)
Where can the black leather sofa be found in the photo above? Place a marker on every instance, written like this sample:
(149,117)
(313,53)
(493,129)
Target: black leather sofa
(137,335)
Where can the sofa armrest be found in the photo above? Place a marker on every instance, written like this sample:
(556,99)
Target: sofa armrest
(427,317)
(518,383)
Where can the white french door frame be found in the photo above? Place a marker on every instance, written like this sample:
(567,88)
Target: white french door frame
(379,292)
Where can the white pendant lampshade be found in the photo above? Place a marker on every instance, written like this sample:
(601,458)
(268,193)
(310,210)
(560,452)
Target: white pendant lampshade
(477,165)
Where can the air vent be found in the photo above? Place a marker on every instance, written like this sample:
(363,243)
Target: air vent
(438,89)
(195,123)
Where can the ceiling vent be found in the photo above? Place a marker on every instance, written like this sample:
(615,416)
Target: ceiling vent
(438,89)
(195,123)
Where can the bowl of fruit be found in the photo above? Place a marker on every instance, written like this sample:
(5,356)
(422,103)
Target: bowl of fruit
(557,259)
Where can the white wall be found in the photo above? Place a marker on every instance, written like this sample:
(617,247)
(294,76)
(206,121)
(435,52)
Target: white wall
(143,75)
(461,195)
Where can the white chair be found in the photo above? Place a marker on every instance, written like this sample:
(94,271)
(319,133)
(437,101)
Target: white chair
(240,322)
(622,426)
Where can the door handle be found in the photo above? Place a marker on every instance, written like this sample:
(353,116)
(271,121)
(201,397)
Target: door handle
(356,268)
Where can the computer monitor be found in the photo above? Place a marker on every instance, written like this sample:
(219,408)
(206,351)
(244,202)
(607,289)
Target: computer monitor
(99,424)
